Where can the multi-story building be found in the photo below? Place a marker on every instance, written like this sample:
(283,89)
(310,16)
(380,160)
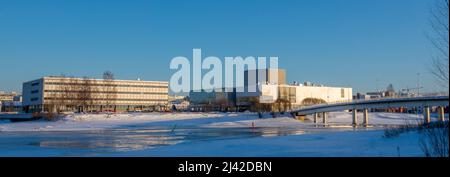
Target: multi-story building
(8,96)
(93,95)
(10,102)
(269,90)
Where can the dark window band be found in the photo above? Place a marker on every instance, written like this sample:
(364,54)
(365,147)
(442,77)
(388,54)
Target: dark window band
(70,91)
(108,85)
(103,99)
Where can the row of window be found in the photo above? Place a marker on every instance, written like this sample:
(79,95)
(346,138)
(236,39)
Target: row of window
(109,85)
(111,92)
(105,99)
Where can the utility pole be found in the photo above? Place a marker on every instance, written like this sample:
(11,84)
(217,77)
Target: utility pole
(418,84)
(377,85)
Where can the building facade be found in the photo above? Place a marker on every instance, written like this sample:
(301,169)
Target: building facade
(9,96)
(212,100)
(264,76)
(50,94)
(10,102)
(296,95)
(11,106)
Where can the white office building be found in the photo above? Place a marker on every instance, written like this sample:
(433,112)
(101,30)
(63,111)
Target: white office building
(93,95)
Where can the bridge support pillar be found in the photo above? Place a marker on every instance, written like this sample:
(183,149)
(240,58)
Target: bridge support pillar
(441,113)
(355,117)
(324,118)
(315,117)
(426,114)
(366,117)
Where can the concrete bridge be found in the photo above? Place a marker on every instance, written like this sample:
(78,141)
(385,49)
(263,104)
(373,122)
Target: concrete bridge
(364,105)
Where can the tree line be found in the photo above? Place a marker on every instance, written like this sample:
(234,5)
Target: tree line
(80,94)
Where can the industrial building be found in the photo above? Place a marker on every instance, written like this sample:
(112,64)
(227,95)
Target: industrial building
(57,94)
(212,100)
(296,95)
(269,90)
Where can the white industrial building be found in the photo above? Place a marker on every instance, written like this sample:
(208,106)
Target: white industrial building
(271,87)
(297,95)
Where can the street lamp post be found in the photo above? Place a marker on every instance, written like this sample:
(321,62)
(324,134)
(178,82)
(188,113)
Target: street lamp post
(418,84)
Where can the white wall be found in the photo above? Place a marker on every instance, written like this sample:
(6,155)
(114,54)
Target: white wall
(329,94)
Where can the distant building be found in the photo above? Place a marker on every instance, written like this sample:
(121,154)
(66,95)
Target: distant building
(17,98)
(212,100)
(376,95)
(382,94)
(11,106)
(8,96)
(178,103)
(10,102)
(360,96)
(89,95)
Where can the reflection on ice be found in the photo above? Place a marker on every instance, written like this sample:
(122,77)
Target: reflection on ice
(80,143)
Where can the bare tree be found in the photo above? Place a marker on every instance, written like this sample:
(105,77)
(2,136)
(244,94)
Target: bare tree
(257,106)
(283,105)
(110,89)
(85,92)
(439,23)
(312,101)
(62,96)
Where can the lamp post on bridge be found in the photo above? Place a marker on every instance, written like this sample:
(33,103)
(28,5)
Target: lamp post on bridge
(355,117)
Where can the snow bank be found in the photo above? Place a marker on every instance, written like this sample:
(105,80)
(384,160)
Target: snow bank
(77,122)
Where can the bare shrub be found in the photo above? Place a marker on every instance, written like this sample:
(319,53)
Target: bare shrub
(396,131)
(434,139)
(50,116)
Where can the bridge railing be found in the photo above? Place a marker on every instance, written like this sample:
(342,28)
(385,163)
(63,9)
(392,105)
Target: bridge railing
(355,101)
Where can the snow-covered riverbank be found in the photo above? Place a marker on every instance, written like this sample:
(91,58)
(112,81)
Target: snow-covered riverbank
(77,122)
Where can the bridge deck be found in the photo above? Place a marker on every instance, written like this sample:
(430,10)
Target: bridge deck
(377,103)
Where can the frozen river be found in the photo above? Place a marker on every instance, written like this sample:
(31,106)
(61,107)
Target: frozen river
(187,134)
(103,142)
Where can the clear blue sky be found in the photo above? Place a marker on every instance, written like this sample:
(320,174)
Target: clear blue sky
(334,42)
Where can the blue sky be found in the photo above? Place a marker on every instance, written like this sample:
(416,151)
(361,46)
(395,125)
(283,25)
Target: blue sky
(364,44)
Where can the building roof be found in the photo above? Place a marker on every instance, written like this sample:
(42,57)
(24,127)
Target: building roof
(79,78)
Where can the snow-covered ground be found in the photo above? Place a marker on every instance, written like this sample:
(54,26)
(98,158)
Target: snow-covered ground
(78,122)
(207,134)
